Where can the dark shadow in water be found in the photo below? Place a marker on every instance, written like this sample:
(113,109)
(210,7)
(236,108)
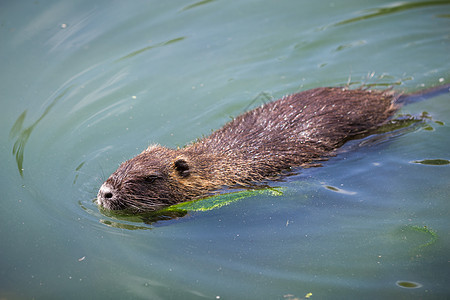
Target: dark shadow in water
(398,7)
(23,134)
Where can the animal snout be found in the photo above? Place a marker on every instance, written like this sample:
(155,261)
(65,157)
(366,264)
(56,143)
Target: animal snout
(105,193)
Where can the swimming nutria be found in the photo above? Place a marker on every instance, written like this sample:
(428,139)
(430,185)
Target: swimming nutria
(296,130)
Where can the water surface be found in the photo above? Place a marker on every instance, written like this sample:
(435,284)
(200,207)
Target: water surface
(86,85)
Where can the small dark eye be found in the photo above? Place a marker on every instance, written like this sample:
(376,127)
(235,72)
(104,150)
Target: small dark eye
(151,178)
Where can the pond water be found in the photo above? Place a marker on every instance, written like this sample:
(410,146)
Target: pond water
(86,85)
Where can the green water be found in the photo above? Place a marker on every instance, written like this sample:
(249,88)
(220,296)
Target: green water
(86,85)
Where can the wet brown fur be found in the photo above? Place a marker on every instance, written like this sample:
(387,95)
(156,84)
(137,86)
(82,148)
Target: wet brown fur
(296,130)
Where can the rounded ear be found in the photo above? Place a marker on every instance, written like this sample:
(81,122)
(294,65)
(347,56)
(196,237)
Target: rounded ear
(182,167)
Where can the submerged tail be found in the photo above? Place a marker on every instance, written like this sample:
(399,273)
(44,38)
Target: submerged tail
(423,95)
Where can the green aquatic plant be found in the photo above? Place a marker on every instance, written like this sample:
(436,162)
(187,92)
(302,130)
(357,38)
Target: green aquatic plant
(423,237)
(182,209)
(408,284)
(433,237)
(432,162)
(218,201)
(23,134)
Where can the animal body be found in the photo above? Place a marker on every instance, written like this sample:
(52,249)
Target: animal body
(295,131)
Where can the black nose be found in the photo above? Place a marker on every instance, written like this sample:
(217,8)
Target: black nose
(105,192)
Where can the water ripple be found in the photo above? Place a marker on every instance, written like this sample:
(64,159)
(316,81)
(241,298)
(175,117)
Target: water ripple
(393,8)
(387,10)
(196,4)
(134,53)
